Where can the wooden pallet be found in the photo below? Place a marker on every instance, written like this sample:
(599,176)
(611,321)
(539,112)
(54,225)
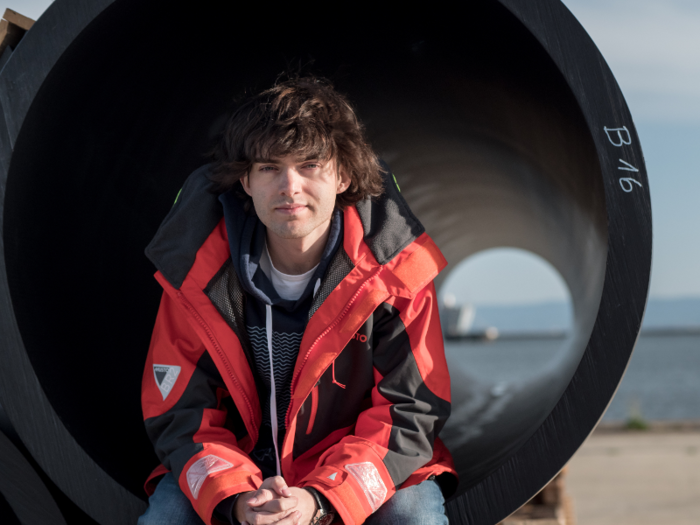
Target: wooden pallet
(551,506)
(12,29)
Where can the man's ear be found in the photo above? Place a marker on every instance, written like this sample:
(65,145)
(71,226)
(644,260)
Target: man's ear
(244,183)
(343,181)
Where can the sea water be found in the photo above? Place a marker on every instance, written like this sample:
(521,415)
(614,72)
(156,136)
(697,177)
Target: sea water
(662,381)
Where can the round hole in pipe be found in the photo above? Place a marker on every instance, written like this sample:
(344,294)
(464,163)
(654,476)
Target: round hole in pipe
(514,334)
(506,316)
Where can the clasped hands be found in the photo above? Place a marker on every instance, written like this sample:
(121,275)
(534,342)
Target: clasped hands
(275,502)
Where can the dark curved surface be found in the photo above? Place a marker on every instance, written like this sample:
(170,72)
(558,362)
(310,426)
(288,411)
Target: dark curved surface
(26,499)
(492,120)
(31,470)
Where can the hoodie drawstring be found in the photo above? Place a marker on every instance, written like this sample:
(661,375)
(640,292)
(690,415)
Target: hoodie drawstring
(273,394)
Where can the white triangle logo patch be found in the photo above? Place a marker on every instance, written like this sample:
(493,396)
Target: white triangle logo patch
(165,376)
(332,476)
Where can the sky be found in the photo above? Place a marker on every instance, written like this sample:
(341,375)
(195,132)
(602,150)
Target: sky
(30,8)
(653,48)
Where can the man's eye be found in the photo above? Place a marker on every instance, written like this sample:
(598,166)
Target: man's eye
(313,165)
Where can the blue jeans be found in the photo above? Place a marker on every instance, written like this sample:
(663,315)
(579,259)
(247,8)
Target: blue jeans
(420,504)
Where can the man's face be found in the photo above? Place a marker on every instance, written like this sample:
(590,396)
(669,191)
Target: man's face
(295,198)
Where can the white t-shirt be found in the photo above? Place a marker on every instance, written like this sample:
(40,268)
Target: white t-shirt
(288,287)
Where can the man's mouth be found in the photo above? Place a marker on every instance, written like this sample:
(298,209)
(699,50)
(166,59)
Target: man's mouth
(290,209)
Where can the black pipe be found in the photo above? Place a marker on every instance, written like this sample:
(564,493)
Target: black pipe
(504,127)
(24,486)
(23,496)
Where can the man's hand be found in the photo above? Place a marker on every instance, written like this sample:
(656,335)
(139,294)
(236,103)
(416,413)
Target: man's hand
(273,502)
(306,504)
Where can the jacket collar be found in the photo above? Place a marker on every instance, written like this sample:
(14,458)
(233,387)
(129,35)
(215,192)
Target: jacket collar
(194,215)
(388,226)
(388,223)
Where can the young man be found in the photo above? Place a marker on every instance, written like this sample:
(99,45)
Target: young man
(296,372)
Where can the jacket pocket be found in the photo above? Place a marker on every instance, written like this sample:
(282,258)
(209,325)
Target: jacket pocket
(314,409)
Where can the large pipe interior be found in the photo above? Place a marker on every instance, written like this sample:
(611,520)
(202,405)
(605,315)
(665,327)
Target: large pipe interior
(486,140)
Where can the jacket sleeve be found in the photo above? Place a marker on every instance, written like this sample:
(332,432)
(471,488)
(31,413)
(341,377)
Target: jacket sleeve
(186,408)
(410,404)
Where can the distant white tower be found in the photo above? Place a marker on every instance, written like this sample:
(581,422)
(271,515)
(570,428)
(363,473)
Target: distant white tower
(457,319)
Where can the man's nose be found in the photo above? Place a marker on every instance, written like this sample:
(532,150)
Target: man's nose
(290,181)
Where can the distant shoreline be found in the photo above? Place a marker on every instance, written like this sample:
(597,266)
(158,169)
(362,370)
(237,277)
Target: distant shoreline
(689,425)
(665,332)
(646,332)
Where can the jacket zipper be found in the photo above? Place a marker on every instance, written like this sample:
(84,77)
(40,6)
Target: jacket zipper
(218,349)
(314,408)
(324,333)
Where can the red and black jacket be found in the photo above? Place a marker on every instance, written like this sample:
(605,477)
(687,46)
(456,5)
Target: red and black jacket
(370,388)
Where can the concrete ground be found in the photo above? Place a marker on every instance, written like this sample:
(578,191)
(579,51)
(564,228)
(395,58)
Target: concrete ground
(637,478)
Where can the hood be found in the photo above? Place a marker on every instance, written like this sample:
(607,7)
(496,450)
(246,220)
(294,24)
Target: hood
(247,240)
(388,225)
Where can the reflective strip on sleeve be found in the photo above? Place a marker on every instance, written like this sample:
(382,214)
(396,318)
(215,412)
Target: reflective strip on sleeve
(203,467)
(367,476)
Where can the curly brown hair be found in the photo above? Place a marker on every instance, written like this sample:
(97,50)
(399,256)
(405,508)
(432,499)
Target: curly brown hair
(304,117)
